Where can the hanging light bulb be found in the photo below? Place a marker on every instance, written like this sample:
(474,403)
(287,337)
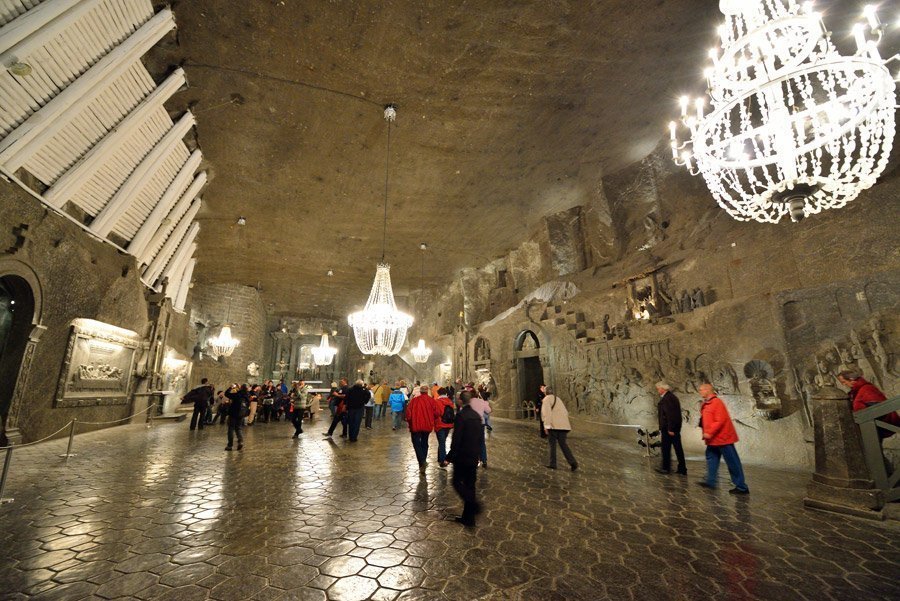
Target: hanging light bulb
(323,354)
(794,127)
(380,328)
(421,353)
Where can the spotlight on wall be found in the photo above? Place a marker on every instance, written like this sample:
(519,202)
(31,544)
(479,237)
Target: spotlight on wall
(241,221)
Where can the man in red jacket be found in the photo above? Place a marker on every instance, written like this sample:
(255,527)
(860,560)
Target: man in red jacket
(719,435)
(421,414)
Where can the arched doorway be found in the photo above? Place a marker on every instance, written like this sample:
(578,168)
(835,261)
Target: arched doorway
(16,324)
(528,363)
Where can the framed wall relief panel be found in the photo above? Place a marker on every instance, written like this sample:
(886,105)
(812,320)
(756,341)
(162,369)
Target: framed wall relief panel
(98,365)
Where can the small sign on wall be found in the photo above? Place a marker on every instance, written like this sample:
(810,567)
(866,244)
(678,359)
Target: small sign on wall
(98,365)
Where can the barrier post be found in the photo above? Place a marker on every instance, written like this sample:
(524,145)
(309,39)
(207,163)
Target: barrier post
(69,452)
(150,410)
(6,463)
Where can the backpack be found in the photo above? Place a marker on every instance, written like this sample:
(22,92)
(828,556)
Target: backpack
(448,416)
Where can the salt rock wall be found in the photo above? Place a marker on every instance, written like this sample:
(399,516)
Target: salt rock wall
(682,293)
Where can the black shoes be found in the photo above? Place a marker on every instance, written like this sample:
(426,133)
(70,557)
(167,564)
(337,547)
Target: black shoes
(705,484)
(660,470)
(464,522)
(228,448)
(574,466)
(740,491)
(240,446)
(550,467)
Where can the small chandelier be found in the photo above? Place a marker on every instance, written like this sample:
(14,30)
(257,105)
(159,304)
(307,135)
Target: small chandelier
(795,127)
(223,344)
(421,353)
(323,354)
(380,328)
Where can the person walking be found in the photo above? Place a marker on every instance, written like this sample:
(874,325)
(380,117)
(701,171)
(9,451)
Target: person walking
(397,401)
(340,417)
(669,412)
(538,406)
(221,408)
(719,435)
(556,423)
(201,397)
(465,449)
(238,408)
(482,408)
(421,414)
(443,424)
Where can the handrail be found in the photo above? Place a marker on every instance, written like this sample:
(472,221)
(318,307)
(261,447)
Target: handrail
(585,421)
(870,428)
(877,410)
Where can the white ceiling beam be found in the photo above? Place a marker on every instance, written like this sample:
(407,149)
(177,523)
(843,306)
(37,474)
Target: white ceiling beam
(176,254)
(150,234)
(28,32)
(176,266)
(158,263)
(78,174)
(185,287)
(24,141)
(107,218)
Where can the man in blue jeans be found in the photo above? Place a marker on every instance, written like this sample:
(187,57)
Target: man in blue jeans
(357,397)
(719,435)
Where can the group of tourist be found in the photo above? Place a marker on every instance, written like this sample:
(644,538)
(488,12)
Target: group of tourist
(466,410)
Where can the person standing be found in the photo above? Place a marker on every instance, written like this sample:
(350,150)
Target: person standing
(421,414)
(863,394)
(556,423)
(370,407)
(482,408)
(237,410)
(296,411)
(201,397)
(356,400)
(443,424)
(465,449)
(669,411)
(221,408)
(254,403)
(398,405)
(382,392)
(719,435)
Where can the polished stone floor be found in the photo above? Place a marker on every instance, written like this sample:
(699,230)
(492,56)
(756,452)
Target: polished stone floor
(166,514)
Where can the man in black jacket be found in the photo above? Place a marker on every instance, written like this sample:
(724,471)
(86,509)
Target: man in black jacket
(356,400)
(201,396)
(669,409)
(465,450)
(237,409)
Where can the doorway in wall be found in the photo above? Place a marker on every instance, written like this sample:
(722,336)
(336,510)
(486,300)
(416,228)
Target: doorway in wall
(16,313)
(530,370)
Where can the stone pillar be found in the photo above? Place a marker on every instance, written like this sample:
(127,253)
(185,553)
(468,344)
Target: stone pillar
(295,358)
(15,406)
(841,482)
(514,388)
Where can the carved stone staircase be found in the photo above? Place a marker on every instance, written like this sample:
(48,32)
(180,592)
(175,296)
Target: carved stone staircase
(574,322)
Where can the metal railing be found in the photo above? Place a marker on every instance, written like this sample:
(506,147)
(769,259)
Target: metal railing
(870,422)
(71,425)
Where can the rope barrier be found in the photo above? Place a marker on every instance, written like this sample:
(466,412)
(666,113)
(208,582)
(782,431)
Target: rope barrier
(115,421)
(70,425)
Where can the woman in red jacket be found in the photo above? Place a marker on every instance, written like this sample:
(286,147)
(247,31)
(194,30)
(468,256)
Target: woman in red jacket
(864,394)
(719,435)
(442,426)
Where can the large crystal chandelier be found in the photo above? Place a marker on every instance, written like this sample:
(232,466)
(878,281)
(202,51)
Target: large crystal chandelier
(421,353)
(380,328)
(795,127)
(223,344)
(323,354)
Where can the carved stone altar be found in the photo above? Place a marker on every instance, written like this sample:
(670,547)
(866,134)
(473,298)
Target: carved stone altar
(841,482)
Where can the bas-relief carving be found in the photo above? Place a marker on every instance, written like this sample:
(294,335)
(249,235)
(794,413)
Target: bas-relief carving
(97,367)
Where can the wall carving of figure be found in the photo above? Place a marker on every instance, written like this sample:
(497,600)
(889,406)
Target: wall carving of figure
(879,349)
(607,330)
(761,375)
(698,299)
(857,352)
(482,350)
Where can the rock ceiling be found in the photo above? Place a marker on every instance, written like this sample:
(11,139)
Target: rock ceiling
(508,110)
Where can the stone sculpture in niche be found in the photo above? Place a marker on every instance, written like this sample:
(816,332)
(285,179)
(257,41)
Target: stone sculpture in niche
(857,352)
(253,369)
(482,350)
(767,405)
(607,331)
(698,299)
(99,372)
